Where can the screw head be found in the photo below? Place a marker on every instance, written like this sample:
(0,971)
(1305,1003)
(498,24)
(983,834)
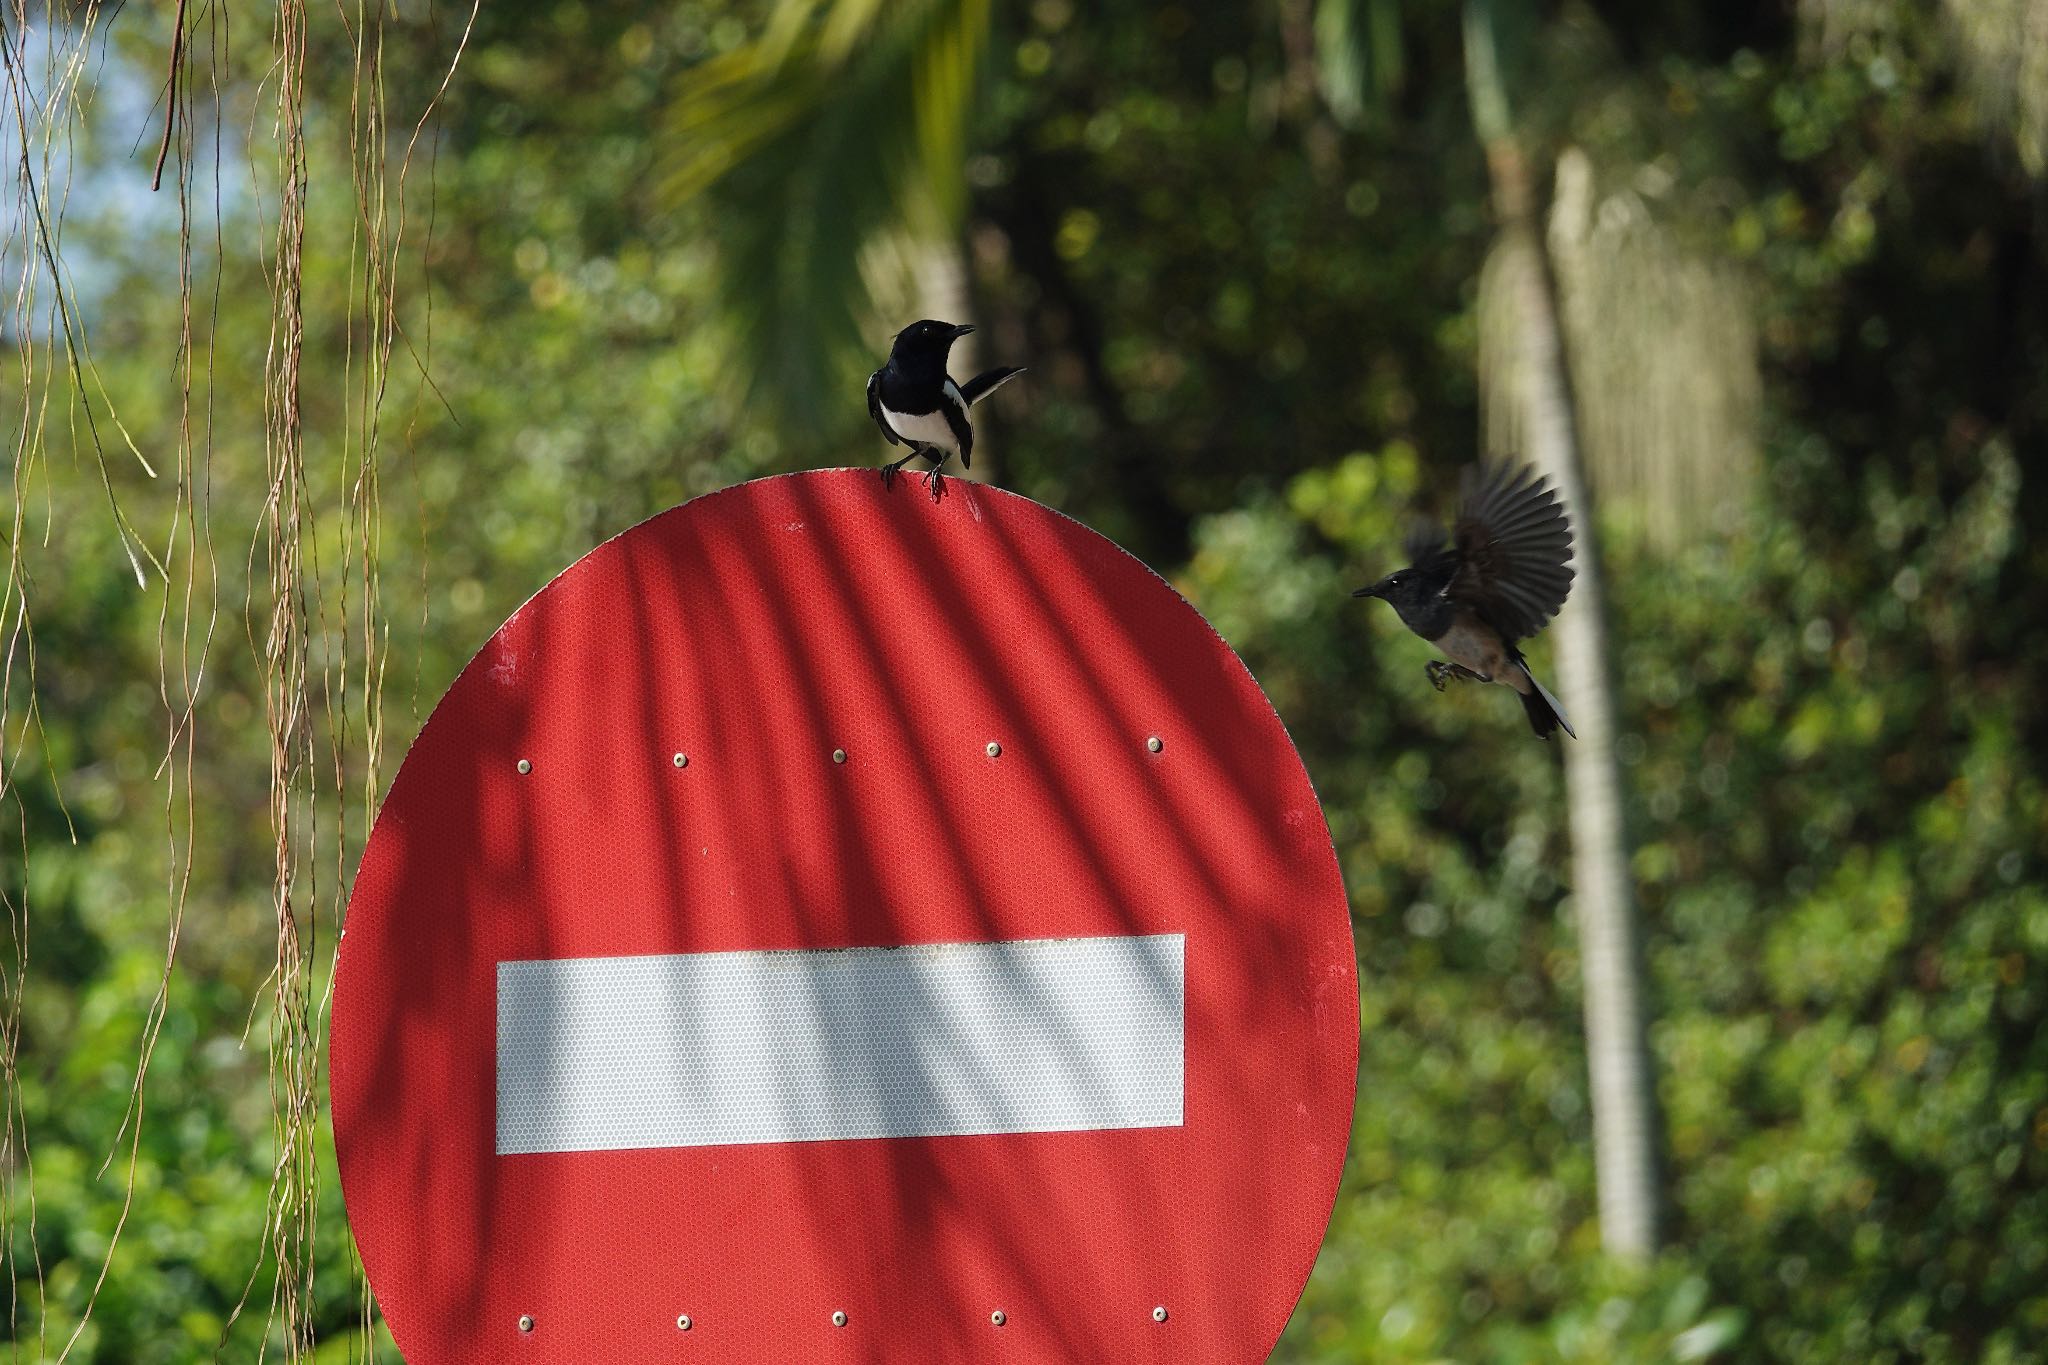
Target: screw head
(839,755)
(999,1317)
(525,765)
(1159,1313)
(682,760)
(1155,744)
(682,1322)
(838,1318)
(526,1322)
(995,750)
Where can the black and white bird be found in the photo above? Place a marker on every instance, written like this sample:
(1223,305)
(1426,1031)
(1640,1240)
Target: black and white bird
(917,404)
(1502,577)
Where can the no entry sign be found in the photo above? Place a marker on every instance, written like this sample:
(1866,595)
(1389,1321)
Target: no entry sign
(828,925)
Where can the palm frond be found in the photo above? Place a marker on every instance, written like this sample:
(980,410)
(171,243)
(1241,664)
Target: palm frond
(843,122)
(1359,59)
(2005,65)
(1663,347)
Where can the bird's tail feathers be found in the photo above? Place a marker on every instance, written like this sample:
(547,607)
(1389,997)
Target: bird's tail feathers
(1546,714)
(987,382)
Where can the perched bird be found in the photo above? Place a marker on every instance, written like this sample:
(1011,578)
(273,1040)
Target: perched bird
(1504,574)
(917,404)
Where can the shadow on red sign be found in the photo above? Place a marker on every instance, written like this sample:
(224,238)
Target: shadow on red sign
(828,925)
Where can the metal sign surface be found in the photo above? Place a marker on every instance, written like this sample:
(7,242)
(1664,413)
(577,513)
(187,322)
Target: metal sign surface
(828,925)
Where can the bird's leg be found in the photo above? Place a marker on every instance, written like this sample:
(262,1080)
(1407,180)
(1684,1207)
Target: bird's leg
(934,479)
(1441,672)
(895,467)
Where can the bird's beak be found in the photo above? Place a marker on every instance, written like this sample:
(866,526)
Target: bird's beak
(962,330)
(1372,591)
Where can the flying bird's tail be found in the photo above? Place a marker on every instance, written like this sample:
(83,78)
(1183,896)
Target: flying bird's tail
(987,382)
(1545,712)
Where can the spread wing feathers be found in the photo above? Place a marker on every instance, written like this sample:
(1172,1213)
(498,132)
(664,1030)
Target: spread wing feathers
(1514,546)
(1424,541)
(875,407)
(987,382)
(954,406)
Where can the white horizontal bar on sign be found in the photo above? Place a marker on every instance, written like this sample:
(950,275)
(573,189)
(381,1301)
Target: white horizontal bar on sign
(937,1040)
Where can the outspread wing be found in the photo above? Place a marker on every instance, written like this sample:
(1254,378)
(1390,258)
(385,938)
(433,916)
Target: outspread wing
(954,406)
(875,407)
(1514,548)
(1424,541)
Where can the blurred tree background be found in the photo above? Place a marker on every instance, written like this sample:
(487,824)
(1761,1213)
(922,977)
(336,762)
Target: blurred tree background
(1800,249)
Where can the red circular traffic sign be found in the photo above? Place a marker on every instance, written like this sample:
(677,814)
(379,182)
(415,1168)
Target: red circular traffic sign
(825,924)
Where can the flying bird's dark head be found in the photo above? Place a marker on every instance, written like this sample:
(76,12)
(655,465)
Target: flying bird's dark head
(1416,593)
(1402,587)
(928,340)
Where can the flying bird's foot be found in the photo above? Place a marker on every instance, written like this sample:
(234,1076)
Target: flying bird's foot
(1441,672)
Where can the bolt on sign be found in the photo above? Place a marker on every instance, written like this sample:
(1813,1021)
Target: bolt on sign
(825,924)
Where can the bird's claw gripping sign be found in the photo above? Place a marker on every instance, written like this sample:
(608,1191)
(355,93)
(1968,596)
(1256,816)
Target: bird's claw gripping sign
(827,924)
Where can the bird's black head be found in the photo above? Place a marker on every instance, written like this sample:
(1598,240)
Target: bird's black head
(926,343)
(1402,587)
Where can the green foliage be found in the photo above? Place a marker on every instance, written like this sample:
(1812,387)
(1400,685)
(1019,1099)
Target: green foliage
(1839,859)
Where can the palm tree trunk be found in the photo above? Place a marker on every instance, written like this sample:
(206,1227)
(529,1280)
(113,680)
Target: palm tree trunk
(1611,963)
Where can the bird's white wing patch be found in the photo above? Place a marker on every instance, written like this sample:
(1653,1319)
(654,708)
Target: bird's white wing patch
(953,394)
(928,428)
